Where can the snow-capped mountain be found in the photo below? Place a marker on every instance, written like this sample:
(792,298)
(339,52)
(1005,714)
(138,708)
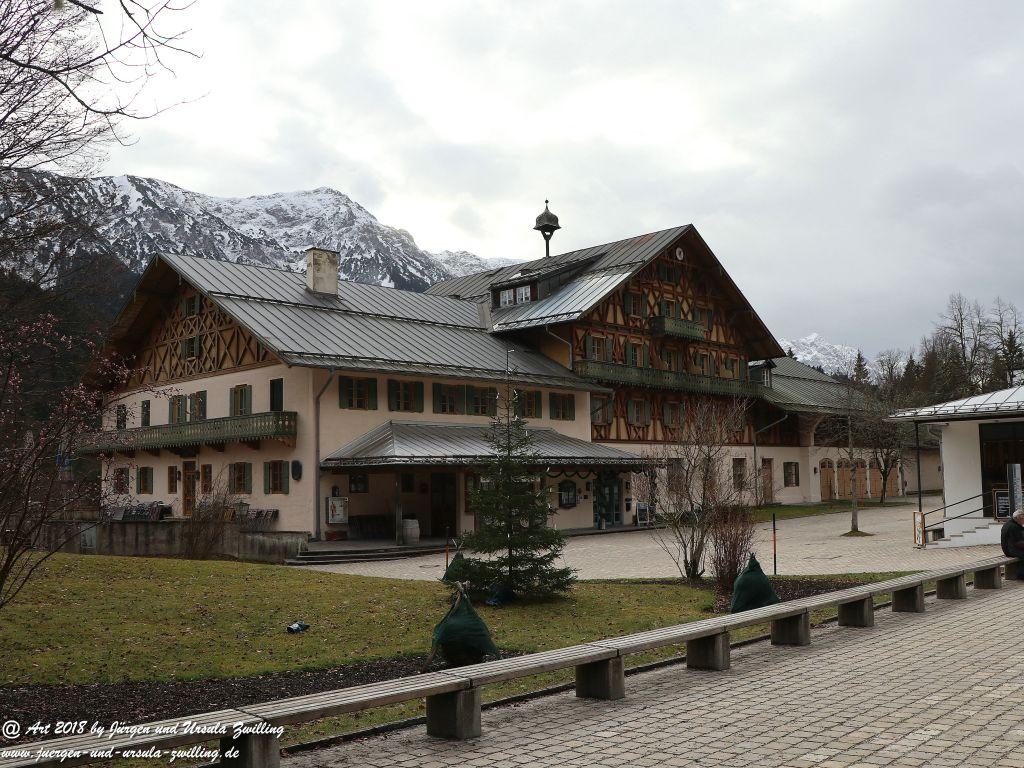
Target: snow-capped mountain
(831,358)
(132,217)
(459,263)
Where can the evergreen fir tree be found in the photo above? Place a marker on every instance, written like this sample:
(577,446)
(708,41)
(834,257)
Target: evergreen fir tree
(860,370)
(513,546)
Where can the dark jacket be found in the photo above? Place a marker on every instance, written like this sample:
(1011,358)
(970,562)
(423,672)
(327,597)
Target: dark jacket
(1012,539)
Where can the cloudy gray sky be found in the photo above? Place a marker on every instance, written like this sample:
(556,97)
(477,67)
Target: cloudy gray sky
(851,163)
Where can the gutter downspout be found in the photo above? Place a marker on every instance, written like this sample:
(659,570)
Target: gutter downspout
(316,430)
(547,330)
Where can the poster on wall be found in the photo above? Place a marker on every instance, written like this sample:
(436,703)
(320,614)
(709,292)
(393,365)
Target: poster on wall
(337,510)
(1013,489)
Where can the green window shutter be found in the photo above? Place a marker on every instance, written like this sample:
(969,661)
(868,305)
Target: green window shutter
(664,308)
(711,319)
(247,470)
(231,478)
(460,399)
(643,305)
(284,476)
(344,391)
(247,399)
(492,401)
(647,411)
(266,477)
(371,393)
(435,396)
(665,415)
(277,394)
(144,415)
(417,396)
(138,479)
(170,410)
(392,395)
(591,345)
(571,402)
(627,303)
(646,356)
(552,404)
(201,403)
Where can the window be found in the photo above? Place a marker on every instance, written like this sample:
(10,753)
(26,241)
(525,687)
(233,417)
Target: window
(598,348)
(523,293)
(197,406)
(206,478)
(405,396)
(791,474)
(144,480)
(408,482)
(562,407)
(528,404)
(277,394)
(357,394)
(668,308)
(241,400)
(358,482)
(700,362)
(600,410)
(240,477)
(120,480)
(190,347)
(672,414)
(449,398)
(275,477)
(730,366)
(566,494)
(121,417)
(711,319)
(177,409)
(172,479)
(638,412)
(766,376)
(190,306)
(739,474)
(635,304)
(144,413)
(482,401)
(638,355)
(506,298)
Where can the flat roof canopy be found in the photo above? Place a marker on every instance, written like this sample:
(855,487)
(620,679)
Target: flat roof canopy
(993,405)
(412,443)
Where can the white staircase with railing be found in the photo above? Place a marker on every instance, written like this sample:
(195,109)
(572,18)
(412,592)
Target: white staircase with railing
(960,524)
(970,533)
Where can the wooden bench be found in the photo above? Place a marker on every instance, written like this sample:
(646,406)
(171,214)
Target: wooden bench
(453,697)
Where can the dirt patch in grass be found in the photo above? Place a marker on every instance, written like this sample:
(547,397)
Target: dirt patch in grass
(856,534)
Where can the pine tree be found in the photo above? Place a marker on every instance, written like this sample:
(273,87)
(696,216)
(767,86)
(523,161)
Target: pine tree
(513,545)
(860,370)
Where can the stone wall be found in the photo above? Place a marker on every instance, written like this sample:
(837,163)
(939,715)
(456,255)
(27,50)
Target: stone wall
(164,539)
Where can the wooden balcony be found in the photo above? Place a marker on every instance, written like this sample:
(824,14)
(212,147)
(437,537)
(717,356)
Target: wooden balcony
(681,329)
(651,377)
(272,425)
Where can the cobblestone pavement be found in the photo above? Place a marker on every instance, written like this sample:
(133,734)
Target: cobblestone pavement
(943,688)
(806,545)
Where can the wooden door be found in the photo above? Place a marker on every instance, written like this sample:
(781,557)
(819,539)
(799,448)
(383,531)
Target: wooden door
(827,476)
(767,486)
(843,475)
(188,488)
(443,506)
(875,474)
(861,478)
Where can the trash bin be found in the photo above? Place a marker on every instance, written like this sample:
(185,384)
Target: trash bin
(410,531)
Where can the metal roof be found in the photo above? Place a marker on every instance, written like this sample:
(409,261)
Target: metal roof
(366,327)
(1003,402)
(403,443)
(799,388)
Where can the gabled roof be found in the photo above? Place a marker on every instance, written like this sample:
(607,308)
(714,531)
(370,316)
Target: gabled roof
(992,405)
(798,388)
(602,269)
(366,327)
(406,443)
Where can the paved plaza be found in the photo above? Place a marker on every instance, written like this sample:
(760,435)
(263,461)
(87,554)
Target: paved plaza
(943,688)
(807,545)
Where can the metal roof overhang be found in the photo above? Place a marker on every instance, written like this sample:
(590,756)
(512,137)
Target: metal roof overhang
(1001,404)
(403,444)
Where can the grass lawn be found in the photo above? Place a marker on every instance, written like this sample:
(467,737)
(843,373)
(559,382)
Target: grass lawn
(95,619)
(790,511)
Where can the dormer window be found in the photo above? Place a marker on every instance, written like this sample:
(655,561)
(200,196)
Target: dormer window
(766,376)
(506,298)
(522,294)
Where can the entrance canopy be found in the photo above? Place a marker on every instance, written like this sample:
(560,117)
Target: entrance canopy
(1004,402)
(412,443)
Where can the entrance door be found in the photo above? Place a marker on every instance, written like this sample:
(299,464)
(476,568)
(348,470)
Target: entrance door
(827,473)
(767,486)
(443,506)
(861,478)
(607,500)
(843,482)
(188,488)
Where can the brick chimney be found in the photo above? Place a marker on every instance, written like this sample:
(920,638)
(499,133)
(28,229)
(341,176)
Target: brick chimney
(322,271)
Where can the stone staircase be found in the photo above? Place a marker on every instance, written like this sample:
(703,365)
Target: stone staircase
(986,532)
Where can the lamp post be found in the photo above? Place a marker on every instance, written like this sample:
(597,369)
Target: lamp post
(547,223)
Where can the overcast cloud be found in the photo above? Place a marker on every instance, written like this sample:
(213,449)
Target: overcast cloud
(851,163)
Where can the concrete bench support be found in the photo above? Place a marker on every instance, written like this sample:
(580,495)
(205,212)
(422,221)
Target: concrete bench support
(909,600)
(859,613)
(254,751)
(602,679)
(1010,571)
(454,715)
(792,630)
(710,652)
(951,588)
(988,578)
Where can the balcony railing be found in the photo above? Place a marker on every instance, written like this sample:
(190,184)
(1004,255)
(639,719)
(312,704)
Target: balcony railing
(674,326)
(650,377)
(229,429)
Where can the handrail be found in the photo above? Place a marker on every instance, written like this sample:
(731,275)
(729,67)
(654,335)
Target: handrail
(947,506)
(920,518)
(955,517)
